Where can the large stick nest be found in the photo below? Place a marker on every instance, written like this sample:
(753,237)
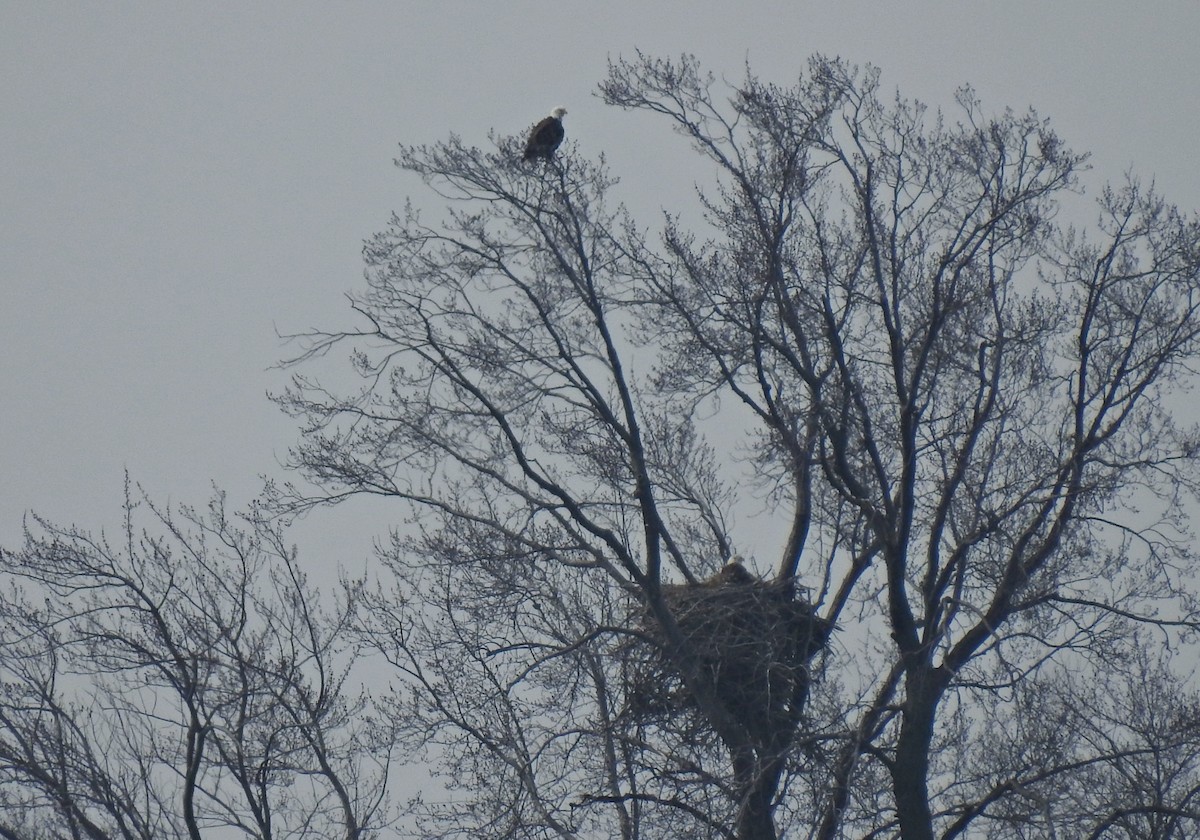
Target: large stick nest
(755,640)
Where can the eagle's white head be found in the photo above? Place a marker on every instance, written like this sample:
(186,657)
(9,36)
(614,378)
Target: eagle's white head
(559,112)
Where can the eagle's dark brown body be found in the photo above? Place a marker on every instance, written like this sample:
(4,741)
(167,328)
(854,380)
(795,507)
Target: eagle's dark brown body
(546,136)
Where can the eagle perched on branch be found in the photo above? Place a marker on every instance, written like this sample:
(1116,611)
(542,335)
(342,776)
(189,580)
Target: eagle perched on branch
(546,136)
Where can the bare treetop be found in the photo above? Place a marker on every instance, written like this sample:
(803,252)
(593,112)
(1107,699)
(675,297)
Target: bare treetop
(957,406)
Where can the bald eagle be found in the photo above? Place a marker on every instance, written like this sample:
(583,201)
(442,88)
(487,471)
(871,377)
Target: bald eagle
(546,136)
(732,572)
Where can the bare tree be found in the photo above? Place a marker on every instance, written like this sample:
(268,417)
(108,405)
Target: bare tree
(1110,751)
(957,408)
(1145,723)
(181,680)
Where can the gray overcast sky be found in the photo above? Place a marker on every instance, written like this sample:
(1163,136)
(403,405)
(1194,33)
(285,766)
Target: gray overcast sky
(178,181)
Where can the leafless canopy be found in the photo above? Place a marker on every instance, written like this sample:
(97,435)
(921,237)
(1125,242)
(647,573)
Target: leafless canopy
(180,681)
(886,343)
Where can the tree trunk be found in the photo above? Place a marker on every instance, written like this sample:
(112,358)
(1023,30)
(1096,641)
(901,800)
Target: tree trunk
(755,820)
(910,772)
